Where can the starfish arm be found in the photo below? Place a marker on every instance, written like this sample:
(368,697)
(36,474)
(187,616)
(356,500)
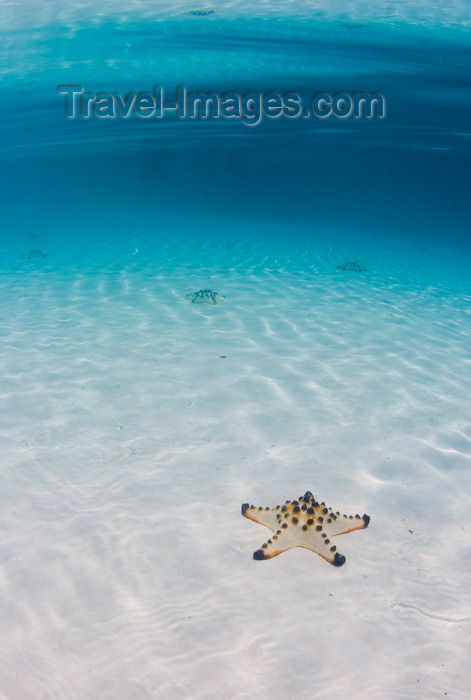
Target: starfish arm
(297,536)
(339,524)
(263,516)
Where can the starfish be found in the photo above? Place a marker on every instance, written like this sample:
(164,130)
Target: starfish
(200,13)
(34,254)
(205,295)
(303,523)
(352,267)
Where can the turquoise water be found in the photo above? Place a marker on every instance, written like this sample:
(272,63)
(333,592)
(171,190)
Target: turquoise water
(397,182)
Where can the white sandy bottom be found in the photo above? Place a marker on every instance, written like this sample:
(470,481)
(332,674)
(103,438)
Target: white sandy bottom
(135,424)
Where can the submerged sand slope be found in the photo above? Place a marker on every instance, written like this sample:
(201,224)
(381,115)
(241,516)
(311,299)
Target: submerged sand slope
(135,424)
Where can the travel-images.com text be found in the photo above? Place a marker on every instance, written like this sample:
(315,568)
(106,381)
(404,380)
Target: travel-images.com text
(250,108)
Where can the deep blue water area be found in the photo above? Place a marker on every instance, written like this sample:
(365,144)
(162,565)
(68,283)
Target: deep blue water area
(404,178)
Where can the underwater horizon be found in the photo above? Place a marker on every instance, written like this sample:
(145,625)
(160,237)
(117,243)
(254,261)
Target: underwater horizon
(401,178)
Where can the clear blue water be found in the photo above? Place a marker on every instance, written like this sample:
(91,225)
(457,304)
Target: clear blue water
(398,181)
